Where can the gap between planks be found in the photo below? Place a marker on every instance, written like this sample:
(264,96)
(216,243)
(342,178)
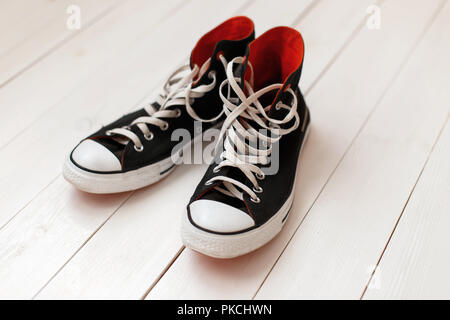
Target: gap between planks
(389,84)
(58,45)
(242,8)
(346,43)
(145,96)
(392,75)
(404,207)
(182,247)
(78,250)
(392,80)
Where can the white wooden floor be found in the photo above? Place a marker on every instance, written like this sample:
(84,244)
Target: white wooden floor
(371,217)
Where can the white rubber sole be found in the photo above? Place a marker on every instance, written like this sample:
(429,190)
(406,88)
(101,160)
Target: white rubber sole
(234,245)
(127,181)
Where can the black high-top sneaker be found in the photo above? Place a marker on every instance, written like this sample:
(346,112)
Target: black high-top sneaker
(244,198)
(137,149)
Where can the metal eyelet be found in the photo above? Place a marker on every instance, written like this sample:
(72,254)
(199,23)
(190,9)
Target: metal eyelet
(258,190)
(165,126)
(178,113)
(275,126)
(278,105)
(260,176)
(208,183)
(216,169)
(220,53)
(138,149)
(149,137)
(109,133)
(212,74)
(257,200)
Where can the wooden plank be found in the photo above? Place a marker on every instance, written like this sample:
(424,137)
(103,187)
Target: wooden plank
(20,29)
(35,31)
(100,99)
(88,109)
(339,21)
(333,253)
(143,235)
(45,84)
(88,106)
(416,262)
(43,172)
(267,14)
(31,254)
(156,205)
(339,103)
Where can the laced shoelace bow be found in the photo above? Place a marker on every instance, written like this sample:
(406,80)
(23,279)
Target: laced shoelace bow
(236,129)
(177,91)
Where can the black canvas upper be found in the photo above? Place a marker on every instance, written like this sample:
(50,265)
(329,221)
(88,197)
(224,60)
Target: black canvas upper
(277,187)
(160,147)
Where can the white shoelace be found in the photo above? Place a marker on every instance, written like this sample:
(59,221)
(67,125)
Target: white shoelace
(177,91)
(237,152)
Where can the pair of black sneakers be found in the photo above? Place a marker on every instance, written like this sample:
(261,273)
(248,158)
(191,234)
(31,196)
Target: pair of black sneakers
(245,93)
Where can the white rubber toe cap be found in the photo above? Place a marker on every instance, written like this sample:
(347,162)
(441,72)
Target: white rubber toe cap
(94,156)
(219,217)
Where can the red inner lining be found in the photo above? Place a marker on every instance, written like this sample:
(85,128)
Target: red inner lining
(275,55)
(236,28)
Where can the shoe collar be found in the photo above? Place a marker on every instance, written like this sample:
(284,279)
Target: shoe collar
(276,57)
(234,31)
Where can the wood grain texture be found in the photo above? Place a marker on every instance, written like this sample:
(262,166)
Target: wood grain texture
(378,107)
(416,262)
(32,94)
(107,94)
(36,244)
(105,79)
(22,19)
(339,103)
(19,29)
(333,253)
(39,30)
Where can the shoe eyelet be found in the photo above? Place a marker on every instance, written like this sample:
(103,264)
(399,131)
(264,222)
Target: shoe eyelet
(216,169)
(108,133)
(275,126)
(149,137)
(258,190)
(257,200)
(165,126)
(260,176)
(178,113)
(208,183)
(277,106)
(220,53)
(212,74)
(138,149)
